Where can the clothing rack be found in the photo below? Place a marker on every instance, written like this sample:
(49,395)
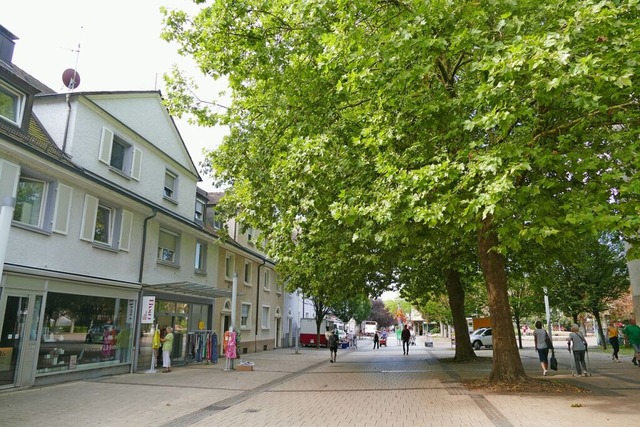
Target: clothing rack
(202,346)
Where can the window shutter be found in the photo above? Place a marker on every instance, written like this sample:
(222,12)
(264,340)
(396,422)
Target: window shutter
(63,209)
(125,230)
(88,227)
(9,174)
(136,164)
(106,143)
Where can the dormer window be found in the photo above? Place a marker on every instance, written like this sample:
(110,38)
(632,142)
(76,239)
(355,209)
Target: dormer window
(12,104)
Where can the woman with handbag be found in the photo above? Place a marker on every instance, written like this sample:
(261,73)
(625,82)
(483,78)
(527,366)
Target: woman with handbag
(543,345)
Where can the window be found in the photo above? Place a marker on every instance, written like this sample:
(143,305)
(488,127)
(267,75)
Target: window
(79,342)
(229,266)
(247,272)
(217,224)
(250,235)
(105,225)
(245,314)
(201,257)
(30,201)
(199,215)
(12,104)
(121,156)
(170,185)
(40,203)
(118,154)
(266,310)
(168,247)
(266,284)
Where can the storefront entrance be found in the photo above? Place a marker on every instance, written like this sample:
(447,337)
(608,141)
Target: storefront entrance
(19,339)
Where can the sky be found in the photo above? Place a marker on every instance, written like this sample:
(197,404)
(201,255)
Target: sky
(119,49)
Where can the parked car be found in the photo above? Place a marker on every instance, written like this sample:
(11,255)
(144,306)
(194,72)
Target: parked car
(481,338)
(96,333)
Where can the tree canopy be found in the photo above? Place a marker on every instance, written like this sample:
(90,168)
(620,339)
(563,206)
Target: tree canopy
(495,125)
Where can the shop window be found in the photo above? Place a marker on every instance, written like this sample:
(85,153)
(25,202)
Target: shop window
(245,314)
(165,306)
(85,332)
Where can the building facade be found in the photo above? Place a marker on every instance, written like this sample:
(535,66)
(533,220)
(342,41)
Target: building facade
(105,238)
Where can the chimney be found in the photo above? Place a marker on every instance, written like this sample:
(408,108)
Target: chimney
(6,45)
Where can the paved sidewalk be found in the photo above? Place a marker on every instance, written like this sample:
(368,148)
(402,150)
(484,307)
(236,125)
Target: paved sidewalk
(365,387)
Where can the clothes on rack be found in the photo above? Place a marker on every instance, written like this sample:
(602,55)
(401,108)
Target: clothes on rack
(200,347)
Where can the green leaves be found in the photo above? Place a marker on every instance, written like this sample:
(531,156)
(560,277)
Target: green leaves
(376,132)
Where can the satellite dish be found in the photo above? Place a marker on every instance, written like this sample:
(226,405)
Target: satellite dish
(71,78)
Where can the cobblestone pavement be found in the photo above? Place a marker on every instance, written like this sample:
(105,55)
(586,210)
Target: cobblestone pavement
(369,387)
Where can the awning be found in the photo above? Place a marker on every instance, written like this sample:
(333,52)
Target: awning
(190,289)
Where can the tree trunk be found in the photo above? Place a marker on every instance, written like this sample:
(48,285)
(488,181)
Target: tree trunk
(517,320)
(455,291)
(507,366)
(596,314)
(318,323)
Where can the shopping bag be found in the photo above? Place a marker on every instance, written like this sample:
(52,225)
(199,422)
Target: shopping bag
(553,363)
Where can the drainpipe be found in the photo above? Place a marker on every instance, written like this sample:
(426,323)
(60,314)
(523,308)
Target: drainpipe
(66,129)
(255,339)
(144,243)
(137,328)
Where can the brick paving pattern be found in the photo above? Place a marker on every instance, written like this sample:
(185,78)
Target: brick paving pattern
(365,387)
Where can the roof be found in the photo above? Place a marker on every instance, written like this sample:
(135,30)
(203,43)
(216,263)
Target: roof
(35,138)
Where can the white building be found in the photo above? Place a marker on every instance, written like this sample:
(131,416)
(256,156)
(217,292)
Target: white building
(100,212)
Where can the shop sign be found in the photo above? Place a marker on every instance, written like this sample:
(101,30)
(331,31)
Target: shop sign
(148,305)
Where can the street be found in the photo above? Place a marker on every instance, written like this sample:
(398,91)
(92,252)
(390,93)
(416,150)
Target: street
(364,387)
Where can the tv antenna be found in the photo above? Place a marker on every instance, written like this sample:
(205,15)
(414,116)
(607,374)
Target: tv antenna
(70,76)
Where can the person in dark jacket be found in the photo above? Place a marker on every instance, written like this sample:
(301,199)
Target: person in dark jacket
(376,340)
(406,336)
(333,346)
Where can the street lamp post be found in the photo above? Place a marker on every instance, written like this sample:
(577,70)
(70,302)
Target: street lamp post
(547,311)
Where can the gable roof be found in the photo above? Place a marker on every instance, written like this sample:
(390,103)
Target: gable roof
(136,110)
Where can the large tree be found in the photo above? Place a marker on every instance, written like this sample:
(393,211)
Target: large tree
(505,122)
(380,314)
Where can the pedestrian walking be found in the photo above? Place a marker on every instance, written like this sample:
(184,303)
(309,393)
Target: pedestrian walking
(406,336)
(543,344)
(612,332)
(167,348)
(577,344)
(376,340)
(632,332)
(333,346)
